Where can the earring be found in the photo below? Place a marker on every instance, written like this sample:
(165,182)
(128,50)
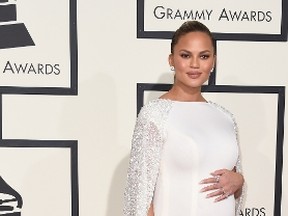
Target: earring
(172,68)
(212,69)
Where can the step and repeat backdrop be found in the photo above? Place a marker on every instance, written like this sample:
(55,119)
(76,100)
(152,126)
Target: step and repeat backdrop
(74,74)
(38,50)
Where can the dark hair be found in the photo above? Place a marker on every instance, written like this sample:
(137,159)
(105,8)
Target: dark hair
(187,27)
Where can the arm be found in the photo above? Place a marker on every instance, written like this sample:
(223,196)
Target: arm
(150,211)
(148,138)
(238,192)
(143,166)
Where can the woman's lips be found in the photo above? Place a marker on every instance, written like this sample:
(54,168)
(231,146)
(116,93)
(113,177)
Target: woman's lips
(194,75)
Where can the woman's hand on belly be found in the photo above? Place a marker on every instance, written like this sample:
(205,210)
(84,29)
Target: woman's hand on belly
(222,184)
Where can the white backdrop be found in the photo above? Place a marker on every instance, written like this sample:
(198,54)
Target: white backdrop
(102,116)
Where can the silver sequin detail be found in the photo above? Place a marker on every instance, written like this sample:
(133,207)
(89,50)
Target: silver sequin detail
(148,138)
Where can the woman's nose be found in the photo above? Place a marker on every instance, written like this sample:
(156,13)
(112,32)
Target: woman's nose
(194,63)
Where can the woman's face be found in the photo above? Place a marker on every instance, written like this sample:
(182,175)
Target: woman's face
(193,58)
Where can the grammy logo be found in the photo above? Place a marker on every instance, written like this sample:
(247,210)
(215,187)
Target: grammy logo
(10,200)
(12,33)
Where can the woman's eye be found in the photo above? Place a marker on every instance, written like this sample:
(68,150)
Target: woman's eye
(204,56)
(184,55)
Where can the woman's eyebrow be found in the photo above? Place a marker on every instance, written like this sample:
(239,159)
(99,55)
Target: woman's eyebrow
(187,51)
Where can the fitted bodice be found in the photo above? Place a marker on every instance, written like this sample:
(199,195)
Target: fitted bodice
(200,139)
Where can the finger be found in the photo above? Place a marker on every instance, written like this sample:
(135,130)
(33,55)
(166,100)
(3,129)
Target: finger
(222,197)
(215,193)
(210,187)
(214,179)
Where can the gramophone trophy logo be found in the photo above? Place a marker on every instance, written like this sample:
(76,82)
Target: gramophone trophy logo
(12,33)
(10,200)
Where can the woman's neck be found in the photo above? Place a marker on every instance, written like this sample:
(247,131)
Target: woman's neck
(179,94)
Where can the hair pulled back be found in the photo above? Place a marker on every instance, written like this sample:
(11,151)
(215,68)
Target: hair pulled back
(187,27)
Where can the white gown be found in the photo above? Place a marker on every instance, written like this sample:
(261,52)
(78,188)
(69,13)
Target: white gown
(200,139)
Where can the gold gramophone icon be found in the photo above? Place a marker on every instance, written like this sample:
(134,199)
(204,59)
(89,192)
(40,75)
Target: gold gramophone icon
(10,200)
(12,33)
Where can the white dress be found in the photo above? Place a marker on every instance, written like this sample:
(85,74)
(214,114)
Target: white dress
(174,146)
(200,139)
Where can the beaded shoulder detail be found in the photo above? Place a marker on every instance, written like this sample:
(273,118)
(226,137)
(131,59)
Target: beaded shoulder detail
(147,141)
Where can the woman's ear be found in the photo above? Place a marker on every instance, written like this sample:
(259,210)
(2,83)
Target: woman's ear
(214,63)
(170,60)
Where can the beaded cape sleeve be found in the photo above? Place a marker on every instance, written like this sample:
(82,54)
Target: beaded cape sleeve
(147,141)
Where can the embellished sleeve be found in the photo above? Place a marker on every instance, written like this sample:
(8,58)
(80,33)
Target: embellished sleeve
(239,200)
(145,156)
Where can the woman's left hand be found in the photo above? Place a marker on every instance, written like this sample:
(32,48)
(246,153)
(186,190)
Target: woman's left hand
(222,184)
